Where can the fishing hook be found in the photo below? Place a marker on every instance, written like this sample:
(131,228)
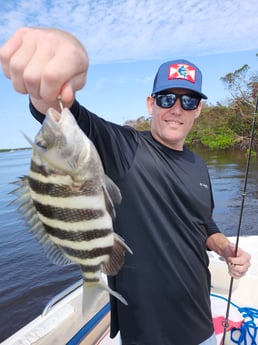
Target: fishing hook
(59,98)
(225,322)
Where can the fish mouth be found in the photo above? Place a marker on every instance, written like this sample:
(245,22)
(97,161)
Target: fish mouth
(53,115)
(48,131)
(53,121)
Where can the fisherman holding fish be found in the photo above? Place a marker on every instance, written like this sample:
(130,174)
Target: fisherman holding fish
(165,216)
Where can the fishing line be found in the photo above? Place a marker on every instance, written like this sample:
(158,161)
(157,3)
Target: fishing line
(225,322)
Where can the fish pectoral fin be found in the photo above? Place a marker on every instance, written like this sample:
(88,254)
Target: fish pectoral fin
(116,258)
(112,195)
(104,286)
(113,190)
(92,295)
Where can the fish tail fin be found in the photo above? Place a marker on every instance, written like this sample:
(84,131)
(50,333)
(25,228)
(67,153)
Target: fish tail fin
(92,294)
(116,258)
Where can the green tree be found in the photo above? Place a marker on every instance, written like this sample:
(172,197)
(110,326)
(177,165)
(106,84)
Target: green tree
(141,123)
(243,87)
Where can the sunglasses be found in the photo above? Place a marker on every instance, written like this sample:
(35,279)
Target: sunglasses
(188,102)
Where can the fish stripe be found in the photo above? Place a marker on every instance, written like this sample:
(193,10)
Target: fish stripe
(85,245)
(51,189)
(69,215)
(90,268)
(91,280)
(91,275)
(100,223)
(89,188)
(87,262)
(74,201)
(79,235)
(87,254)
(54,178)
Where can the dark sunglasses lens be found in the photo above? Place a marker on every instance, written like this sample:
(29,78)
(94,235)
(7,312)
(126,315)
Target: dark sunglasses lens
(166,101)
(189,102)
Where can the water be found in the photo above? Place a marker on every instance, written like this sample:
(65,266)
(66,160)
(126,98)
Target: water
(28,280)
(227,171)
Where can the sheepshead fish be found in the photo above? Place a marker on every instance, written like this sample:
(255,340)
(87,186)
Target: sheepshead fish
(68,203)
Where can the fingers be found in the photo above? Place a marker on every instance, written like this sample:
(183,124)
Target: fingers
(9,49)
(67,91)
(238,266)
(237,271)
(18,64)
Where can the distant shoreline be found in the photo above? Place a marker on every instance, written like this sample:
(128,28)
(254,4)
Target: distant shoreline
(16,149)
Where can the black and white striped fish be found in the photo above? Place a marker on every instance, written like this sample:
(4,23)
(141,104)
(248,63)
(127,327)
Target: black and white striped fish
(67,202)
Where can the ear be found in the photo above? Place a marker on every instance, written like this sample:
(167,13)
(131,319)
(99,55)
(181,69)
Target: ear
(197,115)
(150,103)
(198,110)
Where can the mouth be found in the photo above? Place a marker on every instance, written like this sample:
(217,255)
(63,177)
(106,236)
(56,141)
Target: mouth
(174,122)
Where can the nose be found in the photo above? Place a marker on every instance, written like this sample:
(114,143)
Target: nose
(176,109)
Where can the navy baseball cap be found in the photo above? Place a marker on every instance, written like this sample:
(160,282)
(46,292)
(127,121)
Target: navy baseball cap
(178,74)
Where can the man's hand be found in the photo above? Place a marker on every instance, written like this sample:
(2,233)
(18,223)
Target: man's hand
(237,265)
(45,63)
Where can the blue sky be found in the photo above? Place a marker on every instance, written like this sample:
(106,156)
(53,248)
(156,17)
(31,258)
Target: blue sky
(126,42)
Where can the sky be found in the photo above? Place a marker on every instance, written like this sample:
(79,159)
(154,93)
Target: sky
(126,42)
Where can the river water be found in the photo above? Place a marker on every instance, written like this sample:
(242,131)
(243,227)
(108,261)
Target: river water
(28,280)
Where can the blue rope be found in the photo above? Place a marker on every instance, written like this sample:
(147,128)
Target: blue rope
(248,328)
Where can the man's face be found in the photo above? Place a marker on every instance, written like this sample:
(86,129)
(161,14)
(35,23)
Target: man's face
(171,126)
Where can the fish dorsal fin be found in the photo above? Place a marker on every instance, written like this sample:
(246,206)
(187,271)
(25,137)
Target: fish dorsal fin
(112,195)
(116,258)
(36,227)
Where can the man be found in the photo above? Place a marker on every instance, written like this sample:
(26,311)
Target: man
(166,213)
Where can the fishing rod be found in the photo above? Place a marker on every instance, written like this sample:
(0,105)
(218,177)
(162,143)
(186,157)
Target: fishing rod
(225,322)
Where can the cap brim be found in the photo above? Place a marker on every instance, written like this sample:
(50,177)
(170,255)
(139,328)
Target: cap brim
(156,90)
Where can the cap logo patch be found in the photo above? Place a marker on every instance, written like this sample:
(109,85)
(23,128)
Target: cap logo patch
(182,71)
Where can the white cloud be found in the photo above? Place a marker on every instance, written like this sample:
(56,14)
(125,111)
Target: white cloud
(141,29)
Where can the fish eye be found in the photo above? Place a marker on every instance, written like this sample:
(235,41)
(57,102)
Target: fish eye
(42,144)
